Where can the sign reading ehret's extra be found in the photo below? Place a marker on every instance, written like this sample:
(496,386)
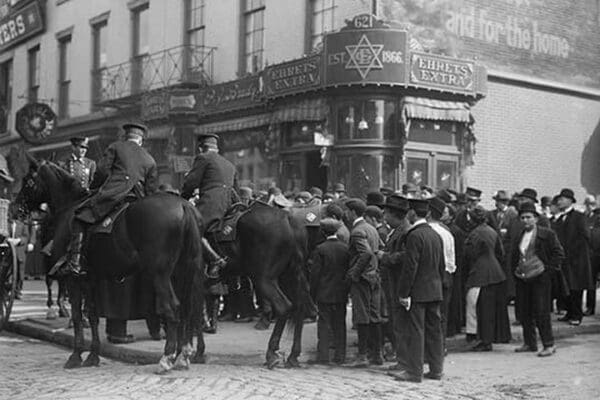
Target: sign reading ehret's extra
(442,72)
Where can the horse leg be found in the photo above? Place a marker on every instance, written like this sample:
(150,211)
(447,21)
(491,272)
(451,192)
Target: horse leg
(273,357)
(292,361)
(272,292)
(60,299)
(195,325)
(166,307)
(76,299)
(51,313)
(184,345)
(93,359)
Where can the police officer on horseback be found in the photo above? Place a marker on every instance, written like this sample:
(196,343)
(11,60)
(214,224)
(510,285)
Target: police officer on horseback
(215,180)
(77,164)
(125,171)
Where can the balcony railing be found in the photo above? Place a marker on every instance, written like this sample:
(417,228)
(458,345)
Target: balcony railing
(178,65)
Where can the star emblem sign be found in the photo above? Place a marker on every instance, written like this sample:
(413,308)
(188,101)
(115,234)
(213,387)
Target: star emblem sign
(364,56)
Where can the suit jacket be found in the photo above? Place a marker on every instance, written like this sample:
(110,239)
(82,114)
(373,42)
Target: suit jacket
(364,242)
(423,265)
(124,168)
(18,229)
(82,169)
(547,248)
(574,235)
(483,257)
(328,265)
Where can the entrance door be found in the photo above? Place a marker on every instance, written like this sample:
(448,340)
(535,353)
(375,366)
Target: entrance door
(316,175)
(433,169)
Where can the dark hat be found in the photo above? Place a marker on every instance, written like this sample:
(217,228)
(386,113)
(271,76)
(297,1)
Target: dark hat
(339,187)
(316,192)
(478,214)
(530,194)
(374,212)
(409,187)
(207,139)
(555,200)
(546,201)
(421,205)
(446,196)
(473,194)
(461,198)
(386,191)
(135,125)
(568,193)
(356,205)
(528,207)
(501,195)
(375,199)
(328,196)
(437,204)
(397,202)
(330,225)
(304,195)
(80,141)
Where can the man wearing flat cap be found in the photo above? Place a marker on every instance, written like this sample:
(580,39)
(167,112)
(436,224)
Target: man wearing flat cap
(125,169)
(215,179)
(77,164)
(574,235)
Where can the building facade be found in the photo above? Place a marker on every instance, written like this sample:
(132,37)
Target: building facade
(313,92)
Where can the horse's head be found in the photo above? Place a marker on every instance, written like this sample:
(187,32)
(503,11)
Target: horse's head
(46,182)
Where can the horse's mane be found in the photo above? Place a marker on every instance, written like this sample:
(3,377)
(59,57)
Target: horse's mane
(67,181)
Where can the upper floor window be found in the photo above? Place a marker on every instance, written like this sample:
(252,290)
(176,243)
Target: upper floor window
(6,83)
(141,25)
(321,21)
(100,53)
(195,22)
(64,75)
(33,60)
(253,28)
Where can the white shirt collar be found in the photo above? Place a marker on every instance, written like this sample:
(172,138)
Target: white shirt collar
(420,221)
(332,237)
(357,220)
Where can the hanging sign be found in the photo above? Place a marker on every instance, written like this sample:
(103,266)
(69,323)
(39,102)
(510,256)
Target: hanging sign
(35,122)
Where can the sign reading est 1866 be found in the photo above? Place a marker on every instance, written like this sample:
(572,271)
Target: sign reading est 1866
(441,72)
(366,56)
(20,25)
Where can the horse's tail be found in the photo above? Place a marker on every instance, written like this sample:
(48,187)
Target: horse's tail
(189,272)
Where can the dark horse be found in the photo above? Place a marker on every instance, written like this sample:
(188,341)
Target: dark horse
(270,248)
(158,235)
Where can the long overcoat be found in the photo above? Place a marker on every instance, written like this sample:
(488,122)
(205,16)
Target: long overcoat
(574,235)
(483,257)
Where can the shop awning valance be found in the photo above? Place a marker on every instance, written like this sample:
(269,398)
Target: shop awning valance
(236,124)
(436,110)
(305,110)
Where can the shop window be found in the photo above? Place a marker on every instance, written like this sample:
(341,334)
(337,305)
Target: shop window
(367,119)
(434,132)
(300,133)
(362,173)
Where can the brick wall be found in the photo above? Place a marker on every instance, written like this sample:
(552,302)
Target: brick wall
(531,138)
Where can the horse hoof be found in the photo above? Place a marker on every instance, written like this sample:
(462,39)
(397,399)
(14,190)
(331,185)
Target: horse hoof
(165,364)
(198,359)
(292,363)
(74,361)
(92,360)
(51,314)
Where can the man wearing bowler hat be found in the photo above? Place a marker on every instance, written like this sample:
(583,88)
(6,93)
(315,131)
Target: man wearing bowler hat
(125,169)
(574,235)
(215,179)
(419,294)
(463,218)
(77,164)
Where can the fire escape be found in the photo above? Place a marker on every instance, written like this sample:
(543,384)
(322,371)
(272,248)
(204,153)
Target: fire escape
(121,85)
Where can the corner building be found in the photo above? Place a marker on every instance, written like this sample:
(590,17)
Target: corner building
(493,94)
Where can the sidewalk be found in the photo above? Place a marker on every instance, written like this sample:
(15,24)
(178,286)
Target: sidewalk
(235,343)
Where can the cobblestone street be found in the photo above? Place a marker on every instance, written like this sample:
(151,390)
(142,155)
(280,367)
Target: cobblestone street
(33,370)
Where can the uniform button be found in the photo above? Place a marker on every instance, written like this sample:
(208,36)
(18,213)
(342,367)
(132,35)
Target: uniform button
(126,177)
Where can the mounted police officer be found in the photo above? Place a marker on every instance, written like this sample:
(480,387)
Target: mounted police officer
(77,164)
(125,170)
(215,180)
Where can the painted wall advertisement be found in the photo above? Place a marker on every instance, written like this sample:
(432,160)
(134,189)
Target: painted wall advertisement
(549,39)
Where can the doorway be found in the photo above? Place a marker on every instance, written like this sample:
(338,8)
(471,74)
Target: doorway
(434,169)
(316,173)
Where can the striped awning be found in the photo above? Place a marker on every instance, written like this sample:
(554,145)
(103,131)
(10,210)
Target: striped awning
(304,110)
(236,124)
(436,110)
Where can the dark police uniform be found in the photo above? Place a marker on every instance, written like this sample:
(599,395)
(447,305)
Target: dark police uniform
(83,169)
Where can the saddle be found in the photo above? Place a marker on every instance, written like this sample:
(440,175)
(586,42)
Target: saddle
(107,224)
(225,230)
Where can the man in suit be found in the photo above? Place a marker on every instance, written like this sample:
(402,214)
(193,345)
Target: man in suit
(592,214)
(365,286)
(215,180)
(77,164)
(390,264)
(574,235)
(420,295)
(125,170)
(463,218)
(328,265)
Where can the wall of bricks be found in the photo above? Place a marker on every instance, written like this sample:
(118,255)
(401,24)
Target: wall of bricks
(531,138)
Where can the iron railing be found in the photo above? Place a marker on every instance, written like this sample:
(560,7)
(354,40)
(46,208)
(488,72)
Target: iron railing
(178,65)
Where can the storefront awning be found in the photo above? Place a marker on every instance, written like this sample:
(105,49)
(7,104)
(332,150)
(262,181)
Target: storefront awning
(236,124)
(305,110)
(436,110)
